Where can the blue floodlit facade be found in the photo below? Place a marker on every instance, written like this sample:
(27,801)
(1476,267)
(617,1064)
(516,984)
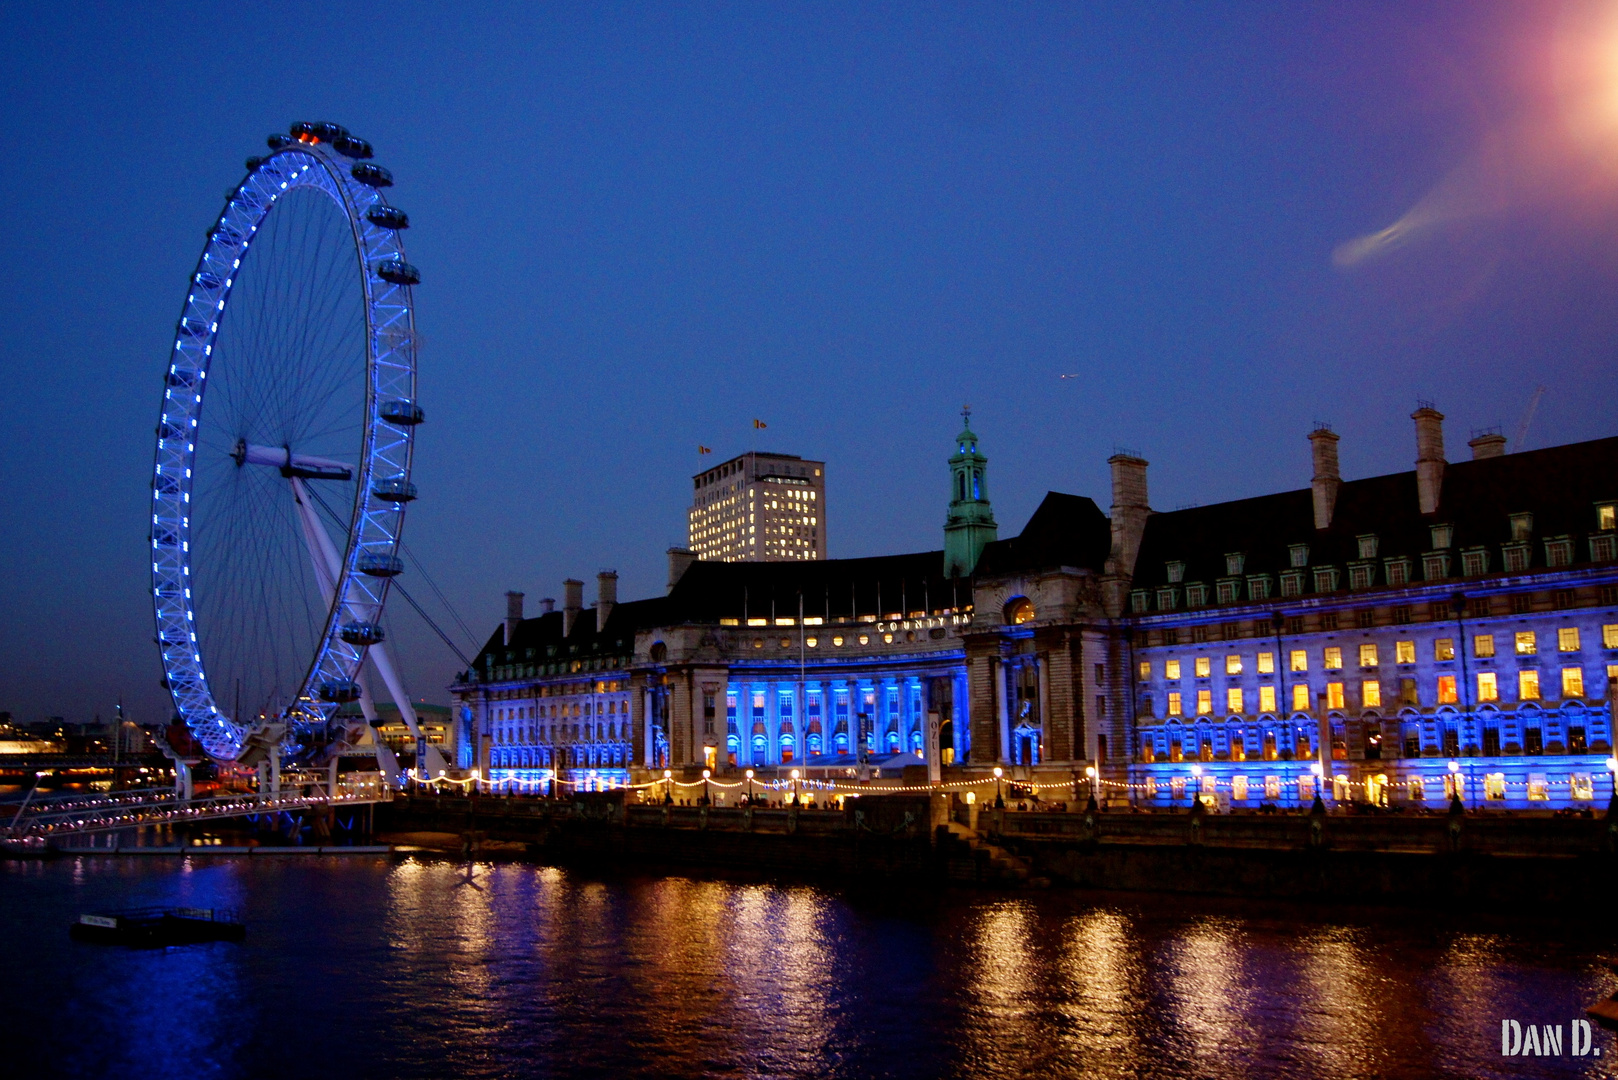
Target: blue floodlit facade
(1392,640)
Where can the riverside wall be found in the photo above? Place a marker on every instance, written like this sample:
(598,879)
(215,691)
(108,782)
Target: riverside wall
(1484,860)
(888,838)
(1480,860)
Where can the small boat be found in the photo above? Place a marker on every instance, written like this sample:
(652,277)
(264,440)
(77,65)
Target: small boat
(158,927)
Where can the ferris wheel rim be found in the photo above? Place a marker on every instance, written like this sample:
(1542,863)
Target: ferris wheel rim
(382,474)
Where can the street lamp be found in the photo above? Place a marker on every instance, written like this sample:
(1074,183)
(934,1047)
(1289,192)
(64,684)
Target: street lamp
(999,800)
(1319,772)
(1196,786)
(1090,771)
(749,775)
(668,786)
(1454,785)
(707,799)
(795,775)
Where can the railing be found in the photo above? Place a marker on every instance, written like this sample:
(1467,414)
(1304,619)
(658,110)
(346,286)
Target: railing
(82,816)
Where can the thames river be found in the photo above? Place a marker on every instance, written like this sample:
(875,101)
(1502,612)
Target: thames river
(379,967)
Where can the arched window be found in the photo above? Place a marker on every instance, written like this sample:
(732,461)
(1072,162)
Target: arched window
(1019,610)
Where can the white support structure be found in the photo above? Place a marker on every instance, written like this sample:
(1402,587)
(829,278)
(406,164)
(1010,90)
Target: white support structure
(328,568)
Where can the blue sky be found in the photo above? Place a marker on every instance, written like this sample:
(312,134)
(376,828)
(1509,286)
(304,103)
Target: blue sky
(642,225)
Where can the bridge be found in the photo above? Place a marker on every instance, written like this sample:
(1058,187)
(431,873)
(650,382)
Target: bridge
(54,762)
(45,824)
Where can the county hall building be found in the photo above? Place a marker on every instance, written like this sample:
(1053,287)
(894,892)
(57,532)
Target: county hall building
(1393,639)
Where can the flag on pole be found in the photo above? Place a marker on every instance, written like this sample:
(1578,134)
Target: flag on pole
(759,424)
(704,449)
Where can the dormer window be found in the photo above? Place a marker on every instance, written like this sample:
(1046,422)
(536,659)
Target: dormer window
(1435,565)
(1474,562)
(1233,563)
(1176,571)
(1559,551)
(1398,571)
(1522,527)
(1368,546)
(1606,517)
(1326,579)
(1443,536)
(1292,583)
(1227,591)
(1139,601)
(1196,595)
(1299,554)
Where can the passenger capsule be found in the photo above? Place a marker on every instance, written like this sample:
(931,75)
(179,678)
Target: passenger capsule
(278,140)
(371,174)
(362,633)
(403,413)
(381,565)
(330,133)
(395,489)
(388,217)
(340,692)
(349,146)
(253,163)
(208,281)
(398,272)
(196,328)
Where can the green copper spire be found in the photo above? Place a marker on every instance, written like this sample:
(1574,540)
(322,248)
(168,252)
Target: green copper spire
(970,524)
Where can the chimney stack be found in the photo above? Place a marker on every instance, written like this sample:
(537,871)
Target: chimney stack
(606,597)
(1429,455)
(513,615)
(680,560)
(547,605)
(572,604)
(1129,511)
(1489,444)
(1327,478)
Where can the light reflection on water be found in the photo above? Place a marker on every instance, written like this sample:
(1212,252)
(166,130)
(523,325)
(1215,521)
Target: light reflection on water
(377,968)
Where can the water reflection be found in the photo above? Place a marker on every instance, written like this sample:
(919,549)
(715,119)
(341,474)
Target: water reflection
(1103,991)
(381,968)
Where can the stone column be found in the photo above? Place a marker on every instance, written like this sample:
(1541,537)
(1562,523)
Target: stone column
(1002,719)
(961,720)
(1044,674)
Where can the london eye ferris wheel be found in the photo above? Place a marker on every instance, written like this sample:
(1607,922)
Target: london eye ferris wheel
(283,457)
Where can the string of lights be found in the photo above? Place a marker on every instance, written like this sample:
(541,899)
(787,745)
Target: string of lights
(1205,784)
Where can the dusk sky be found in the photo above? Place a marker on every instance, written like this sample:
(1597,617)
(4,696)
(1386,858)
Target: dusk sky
(641,226)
